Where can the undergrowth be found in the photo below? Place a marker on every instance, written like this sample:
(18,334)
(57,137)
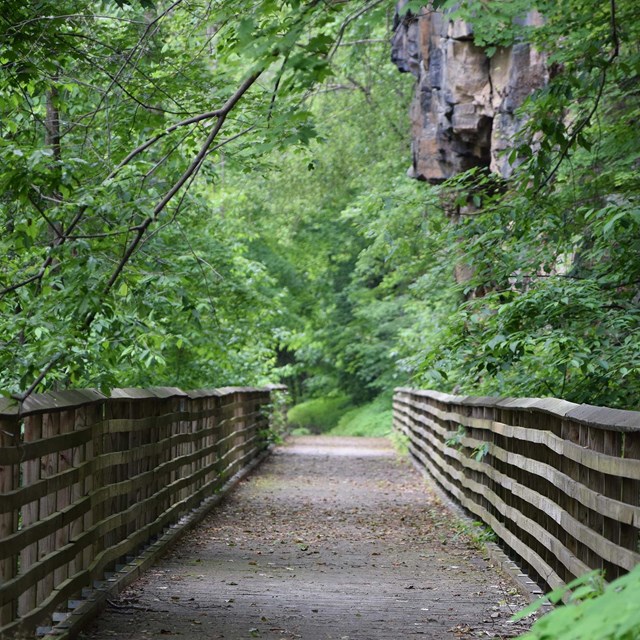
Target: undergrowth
(478,533)
(609,613)
(370,420)
(318,415)
(336,416)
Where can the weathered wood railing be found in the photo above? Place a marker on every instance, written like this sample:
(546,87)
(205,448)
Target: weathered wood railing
(86,480)
(559,483)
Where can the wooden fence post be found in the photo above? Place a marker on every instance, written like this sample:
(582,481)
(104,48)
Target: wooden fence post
(239,423)
(216,421)
(66,420)
(612,446)
(187,427)
(595,479)
(81,458)
(9,480)
(631,491)
(31,511)
(48,504)
(569,467)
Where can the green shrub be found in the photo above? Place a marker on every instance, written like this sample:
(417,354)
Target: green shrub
(336,416)
(318,415)
(372,419)
(591,614)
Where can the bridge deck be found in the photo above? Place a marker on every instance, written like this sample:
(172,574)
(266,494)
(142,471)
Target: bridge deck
(328,539)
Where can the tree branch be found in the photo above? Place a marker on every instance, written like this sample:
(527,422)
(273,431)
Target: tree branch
(364,41)
(216,113)
(348,20)
(187,174)
(21,397)
(231,139)
(220,113)
(580,126)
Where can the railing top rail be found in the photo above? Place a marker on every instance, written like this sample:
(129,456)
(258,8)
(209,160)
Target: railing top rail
(225,391)
(161,393)
(53,400)
(590,415)
(60,400)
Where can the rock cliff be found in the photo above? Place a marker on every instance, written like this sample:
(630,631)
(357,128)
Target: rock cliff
(463,112)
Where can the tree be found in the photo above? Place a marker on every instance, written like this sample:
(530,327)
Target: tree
(120,118)
(313,214)
(556,245)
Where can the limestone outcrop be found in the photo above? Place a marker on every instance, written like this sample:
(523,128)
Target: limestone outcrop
(463,112)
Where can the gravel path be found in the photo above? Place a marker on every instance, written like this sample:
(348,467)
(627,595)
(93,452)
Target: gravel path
(330,539)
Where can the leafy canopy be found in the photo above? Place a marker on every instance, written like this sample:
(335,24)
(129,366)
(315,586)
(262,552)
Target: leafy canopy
(119,121)
(556,247)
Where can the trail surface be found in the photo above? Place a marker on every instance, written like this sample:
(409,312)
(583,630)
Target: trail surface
(330,539)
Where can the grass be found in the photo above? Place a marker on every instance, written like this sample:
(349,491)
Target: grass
(318,415)
(371,420)
(336,416)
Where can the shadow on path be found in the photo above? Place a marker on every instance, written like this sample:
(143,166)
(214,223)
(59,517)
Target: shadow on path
(330,539)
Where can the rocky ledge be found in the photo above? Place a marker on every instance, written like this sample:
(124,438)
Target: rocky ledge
(463,113)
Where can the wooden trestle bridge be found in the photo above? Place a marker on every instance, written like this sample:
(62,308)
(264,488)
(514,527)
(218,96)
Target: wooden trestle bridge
(328,539)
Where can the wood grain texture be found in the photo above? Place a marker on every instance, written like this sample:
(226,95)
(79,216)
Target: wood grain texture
(9,479)
(552,475)
(95,481)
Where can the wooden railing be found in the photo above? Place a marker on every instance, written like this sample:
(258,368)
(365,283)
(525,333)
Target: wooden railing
(86,480)
(559,483)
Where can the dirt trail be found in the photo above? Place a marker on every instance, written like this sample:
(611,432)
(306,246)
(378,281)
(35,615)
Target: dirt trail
(330,539)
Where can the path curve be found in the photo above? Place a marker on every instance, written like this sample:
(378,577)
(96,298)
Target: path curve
(330,539)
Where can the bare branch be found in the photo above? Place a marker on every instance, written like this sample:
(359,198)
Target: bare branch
(70,16)
(577,130)
(116,81)
(353,43)
(27,281)
(164,158)
(582,124)
(231,139)
(188,173)
(614,31)
(106,234)
(276,86)
(151,141)
(137,46)
(21,397)
(45,217)
(59,240)
(348,20)
(217,113)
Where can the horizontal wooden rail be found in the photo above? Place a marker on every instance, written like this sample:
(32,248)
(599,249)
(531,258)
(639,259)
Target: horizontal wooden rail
(87,480)
(559,483)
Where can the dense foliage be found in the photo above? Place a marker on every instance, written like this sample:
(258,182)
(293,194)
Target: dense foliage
(317,224)
(199,194)
(368,264)
(202,193)
(591,611)
(119,121)
(557,247)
